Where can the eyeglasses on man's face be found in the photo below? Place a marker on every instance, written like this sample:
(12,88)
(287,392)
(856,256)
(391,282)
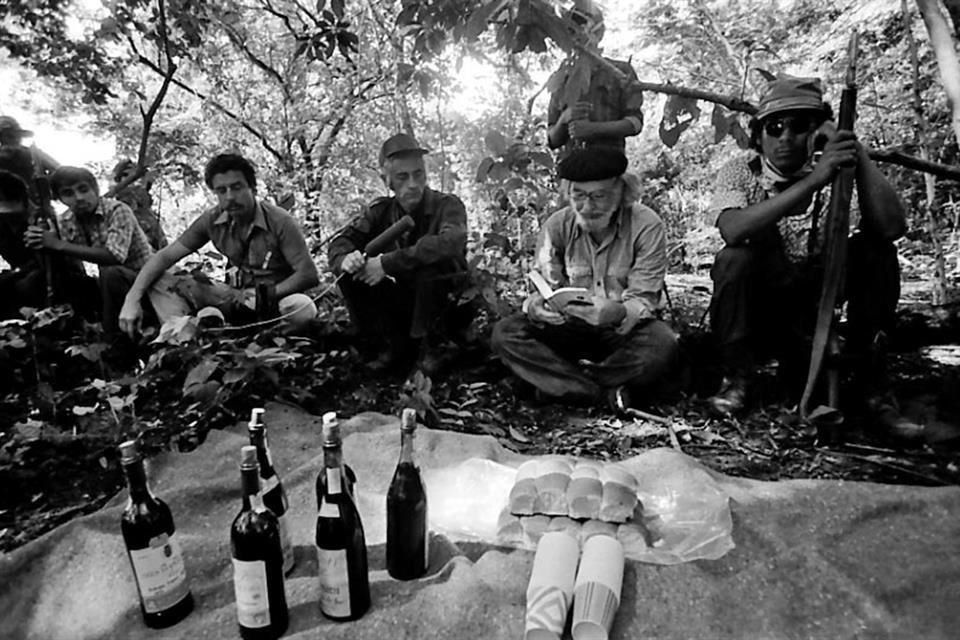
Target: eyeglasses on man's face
(775,127)
(598,197)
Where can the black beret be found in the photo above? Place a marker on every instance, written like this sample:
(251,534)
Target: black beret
(592,163)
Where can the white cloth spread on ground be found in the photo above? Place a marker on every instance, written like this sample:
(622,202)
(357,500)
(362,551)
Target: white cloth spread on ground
(812,559)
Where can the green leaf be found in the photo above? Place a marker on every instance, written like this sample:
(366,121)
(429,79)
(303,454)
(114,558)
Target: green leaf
(721,125)
(496,142)
(477,23)
(337,6)
(485,165)
(200,373)
(678,114)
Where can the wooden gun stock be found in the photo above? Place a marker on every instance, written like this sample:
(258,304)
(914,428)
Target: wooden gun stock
(388,236)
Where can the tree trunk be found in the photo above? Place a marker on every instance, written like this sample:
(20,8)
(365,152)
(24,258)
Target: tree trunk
(942,43)
(940,272)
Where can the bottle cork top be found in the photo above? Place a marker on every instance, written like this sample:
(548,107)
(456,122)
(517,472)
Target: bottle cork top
(248,457)
(129,451)
(331,428)
(408,419)
(256,418)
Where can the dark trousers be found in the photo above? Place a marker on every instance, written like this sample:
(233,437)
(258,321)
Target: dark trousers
(764,306)
(28,288)
(548,356)
(409,309)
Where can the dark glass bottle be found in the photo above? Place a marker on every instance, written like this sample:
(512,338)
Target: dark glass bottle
(257,560)
(154,551)
(332,446)
(408,541)
(271,488)
(341,547)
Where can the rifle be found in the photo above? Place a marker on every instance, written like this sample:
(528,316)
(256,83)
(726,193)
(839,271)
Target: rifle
(836,230)
(45,218)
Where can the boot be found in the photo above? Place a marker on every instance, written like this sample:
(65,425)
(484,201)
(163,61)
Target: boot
(732,396)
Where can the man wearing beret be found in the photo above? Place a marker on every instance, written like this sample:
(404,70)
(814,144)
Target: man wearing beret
(403,298)
(770,209)
(607,243)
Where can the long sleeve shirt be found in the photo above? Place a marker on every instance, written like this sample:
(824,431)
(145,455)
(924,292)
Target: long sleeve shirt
(439,236)
(629,266)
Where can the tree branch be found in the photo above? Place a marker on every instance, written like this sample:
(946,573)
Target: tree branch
(259,135)
(150,113)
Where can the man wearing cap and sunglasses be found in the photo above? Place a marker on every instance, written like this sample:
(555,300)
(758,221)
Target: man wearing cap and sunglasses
(613,345)
(771,211)
(402,298)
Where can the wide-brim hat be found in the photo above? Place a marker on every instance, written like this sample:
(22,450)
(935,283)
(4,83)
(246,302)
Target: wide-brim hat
(10,124)
(790,93)
(400,144)
(592,163)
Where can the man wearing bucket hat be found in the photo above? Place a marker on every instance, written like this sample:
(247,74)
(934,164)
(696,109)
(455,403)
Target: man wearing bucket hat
(770,209)
(402,297)
(607,243)
(609,110)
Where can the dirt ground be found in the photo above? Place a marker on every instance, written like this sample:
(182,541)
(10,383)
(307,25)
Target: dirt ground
(65,475)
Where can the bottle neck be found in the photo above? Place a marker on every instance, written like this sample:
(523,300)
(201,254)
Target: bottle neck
(137,481)
(406,446)
(258,438)
(250,481)
(332,456)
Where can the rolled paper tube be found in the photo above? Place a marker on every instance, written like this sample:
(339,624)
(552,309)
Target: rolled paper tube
(619,497)
(550,589)
(552,487)
(592,528)
(509,529)
(565,524)
(534,527)
(596,593)
(523,494)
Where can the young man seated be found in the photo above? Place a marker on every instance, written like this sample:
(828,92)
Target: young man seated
(24,283)
(770,209)
(97,230)
(263,245)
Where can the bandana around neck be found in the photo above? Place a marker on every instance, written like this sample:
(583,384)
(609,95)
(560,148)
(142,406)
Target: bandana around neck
(773,180)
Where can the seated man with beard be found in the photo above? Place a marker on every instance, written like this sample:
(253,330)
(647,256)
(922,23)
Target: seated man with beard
(606,242)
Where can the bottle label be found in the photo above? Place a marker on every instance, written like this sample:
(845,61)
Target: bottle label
(334,582)
(160,573)
(286,544)
(269,484)
(250,586)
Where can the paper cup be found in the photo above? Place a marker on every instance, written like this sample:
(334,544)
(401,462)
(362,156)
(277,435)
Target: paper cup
(596,593)
(551,586)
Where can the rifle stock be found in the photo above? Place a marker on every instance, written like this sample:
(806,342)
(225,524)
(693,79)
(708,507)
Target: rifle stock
(837,230)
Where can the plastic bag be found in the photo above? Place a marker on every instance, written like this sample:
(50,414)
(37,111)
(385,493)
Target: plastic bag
(685,511)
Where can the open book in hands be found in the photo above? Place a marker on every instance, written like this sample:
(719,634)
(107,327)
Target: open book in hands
(579,302)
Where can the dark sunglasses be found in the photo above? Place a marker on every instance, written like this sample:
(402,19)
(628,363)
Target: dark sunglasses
(776,126)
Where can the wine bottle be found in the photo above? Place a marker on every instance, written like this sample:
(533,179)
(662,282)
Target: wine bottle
(408,541)
(274,497)
(341,547)
(153,549)
(332,446)
(257,560)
